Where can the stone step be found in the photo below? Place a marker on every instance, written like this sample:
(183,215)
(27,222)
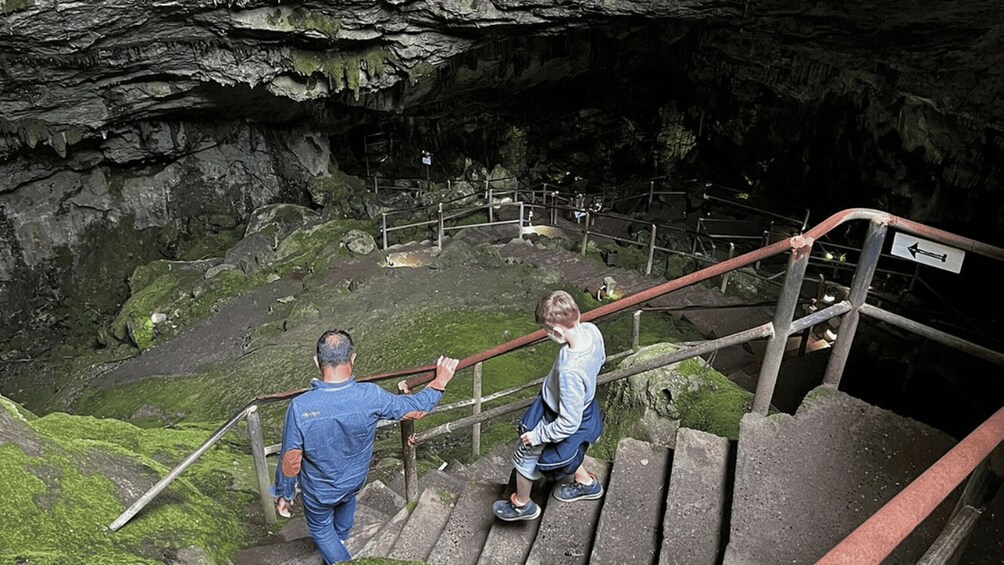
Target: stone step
(465,533)
(509,542)
(380,497)
(424,526)
(804,482)
(383,541)
(566,528)
(632,509)
(696,499)
(495,466)
(449,480)
(368,522)
(296,552)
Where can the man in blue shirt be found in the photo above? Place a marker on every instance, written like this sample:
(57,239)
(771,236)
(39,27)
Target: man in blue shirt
(327,439)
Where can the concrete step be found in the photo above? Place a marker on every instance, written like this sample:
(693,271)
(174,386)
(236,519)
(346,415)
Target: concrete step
(566,528)
(423,527)
(470,522)
(632,510)
(696,500)
(493,467)
(383,541)
(446,480)
(804,482)
(368,522)
(380,497)
(297,552)
(509,542)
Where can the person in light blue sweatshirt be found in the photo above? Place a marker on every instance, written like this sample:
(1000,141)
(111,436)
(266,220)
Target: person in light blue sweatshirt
(327,440)
(565,418)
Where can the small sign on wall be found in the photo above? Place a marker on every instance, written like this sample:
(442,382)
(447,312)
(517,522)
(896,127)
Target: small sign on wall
(927,252)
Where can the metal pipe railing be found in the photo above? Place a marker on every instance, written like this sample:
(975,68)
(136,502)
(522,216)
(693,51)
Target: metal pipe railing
(180,468)
(778,331)
(880,534)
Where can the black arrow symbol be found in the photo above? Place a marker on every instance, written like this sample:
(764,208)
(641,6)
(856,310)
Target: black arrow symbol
(915,249)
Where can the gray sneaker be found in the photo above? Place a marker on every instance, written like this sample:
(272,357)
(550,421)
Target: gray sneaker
(570,492)
(508,511)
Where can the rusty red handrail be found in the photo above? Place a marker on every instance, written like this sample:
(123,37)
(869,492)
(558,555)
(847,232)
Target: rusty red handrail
(880,534)
(424,373)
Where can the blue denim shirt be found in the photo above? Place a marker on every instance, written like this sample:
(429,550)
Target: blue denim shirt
(334,425)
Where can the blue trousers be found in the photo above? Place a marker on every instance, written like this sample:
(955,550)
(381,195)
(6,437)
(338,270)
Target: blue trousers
(329,525)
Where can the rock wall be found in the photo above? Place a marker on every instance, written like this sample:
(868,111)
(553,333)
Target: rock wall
(74,228)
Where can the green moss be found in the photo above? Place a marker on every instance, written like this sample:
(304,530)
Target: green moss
(335,189)
(421,69)
(144,275)
(11,6)
(304,20)
(210,244)
(60,503)
(141,332)
(303,247)
(614,429)
(716,406)
(376,61)
(631,257)
(16,410)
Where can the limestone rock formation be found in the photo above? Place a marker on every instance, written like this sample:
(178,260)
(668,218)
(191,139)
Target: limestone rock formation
(125,128)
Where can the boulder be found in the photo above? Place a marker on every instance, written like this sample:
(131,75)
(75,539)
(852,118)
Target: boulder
(653,405)
(280,220)
(251,253)
(359,242)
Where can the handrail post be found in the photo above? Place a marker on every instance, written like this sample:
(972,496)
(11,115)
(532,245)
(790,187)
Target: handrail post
(725,277)
(651,193)
(554,209)
(476,428)
(585,234)
(859,292)
(260,464)
(410,455)
(384,215)
(651,252)
(636,330)
(376,185)
(491,210)
(801,249)
(521,220)
(439,243)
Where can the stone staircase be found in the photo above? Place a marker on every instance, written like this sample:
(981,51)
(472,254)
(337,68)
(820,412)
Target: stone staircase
(787,491)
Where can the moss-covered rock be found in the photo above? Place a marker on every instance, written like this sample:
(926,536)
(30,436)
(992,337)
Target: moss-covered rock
(11,6)
(652,405)
(68,477)
(336,190)
(277,221)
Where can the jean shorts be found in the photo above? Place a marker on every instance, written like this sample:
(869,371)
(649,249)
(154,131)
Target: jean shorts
(525,460)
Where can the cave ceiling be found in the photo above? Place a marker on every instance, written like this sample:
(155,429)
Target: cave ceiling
(78,71)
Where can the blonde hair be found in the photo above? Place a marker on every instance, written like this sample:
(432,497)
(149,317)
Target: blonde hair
(558,308)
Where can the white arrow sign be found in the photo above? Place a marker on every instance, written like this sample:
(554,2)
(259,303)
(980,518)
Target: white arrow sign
(928,252)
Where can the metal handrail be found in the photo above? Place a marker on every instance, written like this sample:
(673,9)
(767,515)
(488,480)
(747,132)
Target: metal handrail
(778,331)
(880,534)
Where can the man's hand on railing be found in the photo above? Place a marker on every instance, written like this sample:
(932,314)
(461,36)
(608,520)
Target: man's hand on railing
(445,368)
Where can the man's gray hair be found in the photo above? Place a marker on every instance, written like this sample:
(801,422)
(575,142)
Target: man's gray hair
(334,348)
